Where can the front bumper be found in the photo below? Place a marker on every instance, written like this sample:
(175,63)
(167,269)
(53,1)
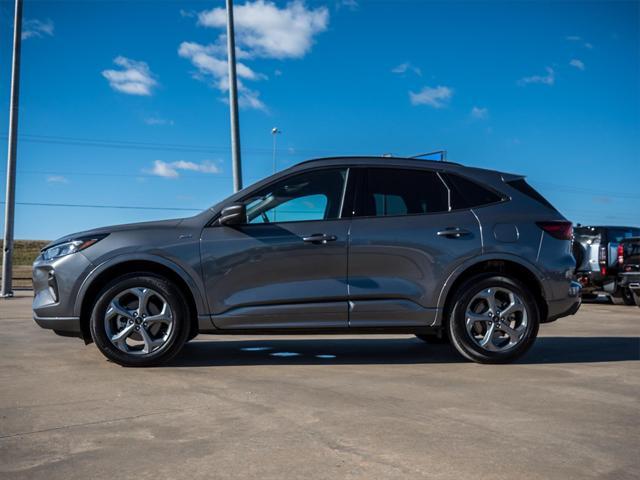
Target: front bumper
(55,289)
(59,324)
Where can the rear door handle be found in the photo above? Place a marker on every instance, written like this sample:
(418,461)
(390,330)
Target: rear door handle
(319,238)
(453,232)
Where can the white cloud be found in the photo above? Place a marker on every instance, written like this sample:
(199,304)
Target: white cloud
(577,38)
(436,97)
(406,67)
(37,28)
(158,121)
(264,30)
(172,169)
(352,5)
(134,78)
(579,64)
(479,113)
(548,79)
(57,179)
(213,67)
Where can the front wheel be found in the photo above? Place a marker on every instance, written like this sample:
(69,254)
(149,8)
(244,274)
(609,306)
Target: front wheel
(494,319)
(140,320)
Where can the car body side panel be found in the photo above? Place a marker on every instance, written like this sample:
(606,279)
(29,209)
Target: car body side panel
(269,265)
(402,260)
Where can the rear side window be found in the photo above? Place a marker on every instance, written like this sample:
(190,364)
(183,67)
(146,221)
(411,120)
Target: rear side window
(618,234)
(523,187)
(392,192)
(468,194)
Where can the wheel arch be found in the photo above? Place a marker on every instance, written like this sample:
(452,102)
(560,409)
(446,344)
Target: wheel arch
(526,273)
(118,267)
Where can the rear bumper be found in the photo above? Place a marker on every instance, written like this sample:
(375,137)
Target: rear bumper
(566,306)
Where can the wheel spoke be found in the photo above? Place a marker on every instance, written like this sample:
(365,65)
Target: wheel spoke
(515,334)
(120,337)
(163,317)
(487,340)
(149,343)
(472,318)
(116,309)
(143,294)
(489,296)
(513,307)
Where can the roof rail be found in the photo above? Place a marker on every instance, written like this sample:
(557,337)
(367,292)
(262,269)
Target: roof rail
(442,153)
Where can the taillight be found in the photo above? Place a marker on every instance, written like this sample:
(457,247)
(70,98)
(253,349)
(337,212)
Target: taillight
(602,255)
(560,229)
(620,254)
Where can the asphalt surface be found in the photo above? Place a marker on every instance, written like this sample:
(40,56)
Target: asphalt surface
(373,408)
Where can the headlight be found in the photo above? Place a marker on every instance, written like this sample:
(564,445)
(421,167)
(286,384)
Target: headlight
(72,246)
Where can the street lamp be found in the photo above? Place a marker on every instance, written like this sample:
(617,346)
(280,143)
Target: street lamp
(274,133)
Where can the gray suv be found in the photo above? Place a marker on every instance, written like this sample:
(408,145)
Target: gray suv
(330,246)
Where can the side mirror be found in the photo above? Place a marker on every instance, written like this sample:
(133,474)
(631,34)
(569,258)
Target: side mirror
(235,214)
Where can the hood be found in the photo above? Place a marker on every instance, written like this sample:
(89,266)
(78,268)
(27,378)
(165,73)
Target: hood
(173,223)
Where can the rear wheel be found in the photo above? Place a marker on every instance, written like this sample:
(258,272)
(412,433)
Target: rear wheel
(627,296)
(494,319)
(140,320)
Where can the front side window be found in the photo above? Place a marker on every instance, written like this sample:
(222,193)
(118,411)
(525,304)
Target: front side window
(315,195)
(392,192)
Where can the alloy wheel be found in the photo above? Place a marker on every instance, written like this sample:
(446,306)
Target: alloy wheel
(496,319)
(139,321)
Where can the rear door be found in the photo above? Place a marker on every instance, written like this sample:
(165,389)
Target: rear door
(404,241)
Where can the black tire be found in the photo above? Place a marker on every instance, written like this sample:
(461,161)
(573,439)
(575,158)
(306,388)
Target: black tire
(627,296)
(462,340)
(434,339)
(179,312)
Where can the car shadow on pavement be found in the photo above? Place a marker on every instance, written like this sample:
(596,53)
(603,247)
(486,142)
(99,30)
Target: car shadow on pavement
(327,351)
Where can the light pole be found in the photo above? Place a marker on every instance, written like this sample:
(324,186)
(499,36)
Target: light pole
(233,101)
(275,132)
(9,215)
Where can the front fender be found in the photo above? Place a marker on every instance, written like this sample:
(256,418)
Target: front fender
(192,279)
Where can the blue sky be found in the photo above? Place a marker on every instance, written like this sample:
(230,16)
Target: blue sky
(123,103)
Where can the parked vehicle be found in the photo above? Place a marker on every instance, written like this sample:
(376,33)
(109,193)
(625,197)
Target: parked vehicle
(629,261)
(342,245)
(596,251)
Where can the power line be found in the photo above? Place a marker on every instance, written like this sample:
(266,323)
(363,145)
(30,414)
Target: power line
(120,207)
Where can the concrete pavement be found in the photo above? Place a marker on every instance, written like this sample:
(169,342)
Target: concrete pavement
(369,407)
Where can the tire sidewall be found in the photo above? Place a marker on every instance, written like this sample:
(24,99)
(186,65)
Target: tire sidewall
(457,321)
(174,298)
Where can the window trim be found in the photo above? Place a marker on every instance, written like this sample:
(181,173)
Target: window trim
(503,196)
(214,221)
(362,186)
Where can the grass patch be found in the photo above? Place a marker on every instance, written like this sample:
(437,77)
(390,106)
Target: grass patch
(25,251)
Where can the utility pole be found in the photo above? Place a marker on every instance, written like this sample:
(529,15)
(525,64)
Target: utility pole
(10,205)
(274,132)
(233,101)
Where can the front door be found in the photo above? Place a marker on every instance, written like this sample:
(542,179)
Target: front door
(286,267)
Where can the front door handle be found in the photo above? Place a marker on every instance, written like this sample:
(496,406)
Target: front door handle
(319,238)
(453,232)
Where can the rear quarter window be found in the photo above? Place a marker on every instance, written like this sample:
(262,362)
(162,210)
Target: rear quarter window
(523,187)
(466,193)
